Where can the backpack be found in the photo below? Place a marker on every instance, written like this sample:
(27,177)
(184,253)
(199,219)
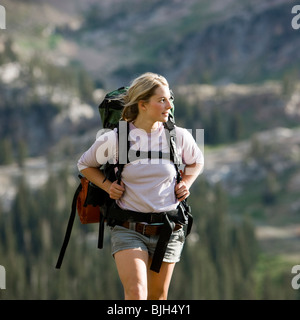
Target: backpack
(90,201)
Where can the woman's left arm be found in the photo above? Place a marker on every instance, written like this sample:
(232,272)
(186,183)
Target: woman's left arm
(189,175)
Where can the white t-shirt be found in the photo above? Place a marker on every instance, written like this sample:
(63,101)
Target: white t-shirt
(149,183)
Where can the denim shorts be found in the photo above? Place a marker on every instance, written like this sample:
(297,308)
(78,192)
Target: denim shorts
(123,238)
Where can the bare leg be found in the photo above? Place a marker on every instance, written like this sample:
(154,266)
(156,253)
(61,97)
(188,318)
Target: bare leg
(158,283)
(132,269)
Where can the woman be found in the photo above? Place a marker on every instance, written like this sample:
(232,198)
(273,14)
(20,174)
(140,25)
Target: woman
(147,186)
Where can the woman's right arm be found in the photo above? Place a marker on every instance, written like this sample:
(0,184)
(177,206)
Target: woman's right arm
(97,177)
(103,150)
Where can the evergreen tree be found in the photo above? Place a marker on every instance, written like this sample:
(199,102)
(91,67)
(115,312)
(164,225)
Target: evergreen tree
(22,152)
(214,131)
(9,53)
(271,189)
(235,127)
(6,151)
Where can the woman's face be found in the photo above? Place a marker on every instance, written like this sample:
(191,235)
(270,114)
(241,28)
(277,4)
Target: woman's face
(159,105)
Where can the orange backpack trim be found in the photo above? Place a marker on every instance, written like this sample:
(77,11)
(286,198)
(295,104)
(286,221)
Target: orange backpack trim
(87,212)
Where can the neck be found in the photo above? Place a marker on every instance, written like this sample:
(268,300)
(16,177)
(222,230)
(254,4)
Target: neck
(146,125)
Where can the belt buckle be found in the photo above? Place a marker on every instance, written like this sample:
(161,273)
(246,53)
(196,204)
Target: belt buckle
(132,226)
(144,229)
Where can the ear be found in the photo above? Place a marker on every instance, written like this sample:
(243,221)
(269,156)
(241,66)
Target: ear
(142,105)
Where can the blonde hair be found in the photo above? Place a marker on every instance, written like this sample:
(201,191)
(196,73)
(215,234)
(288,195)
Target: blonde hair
(142,88)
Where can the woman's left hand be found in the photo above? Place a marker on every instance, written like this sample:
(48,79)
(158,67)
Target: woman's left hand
(181,191)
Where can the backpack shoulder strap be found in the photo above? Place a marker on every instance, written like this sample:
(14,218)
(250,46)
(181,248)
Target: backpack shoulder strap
(170,129)
(123,148)
(185,208)
(69,228)
(122,153)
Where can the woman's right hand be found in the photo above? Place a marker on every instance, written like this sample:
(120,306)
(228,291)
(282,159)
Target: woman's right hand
(116,190)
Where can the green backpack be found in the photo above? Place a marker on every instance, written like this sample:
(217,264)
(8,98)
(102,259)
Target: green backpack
(111,108)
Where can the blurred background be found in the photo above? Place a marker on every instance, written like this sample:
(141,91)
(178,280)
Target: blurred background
(234,68)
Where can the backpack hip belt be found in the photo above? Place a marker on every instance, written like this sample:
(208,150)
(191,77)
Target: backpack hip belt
(171,221)
(117,215)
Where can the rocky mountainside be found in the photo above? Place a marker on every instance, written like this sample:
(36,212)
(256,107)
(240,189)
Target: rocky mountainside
(188,41)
